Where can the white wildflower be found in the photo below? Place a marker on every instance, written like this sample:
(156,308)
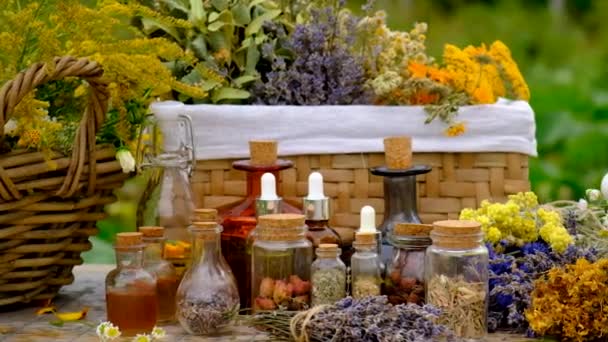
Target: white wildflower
(10,127)
(158,333)
(604,186)
(593,195)
(127,162)
(582,204)
(106,331)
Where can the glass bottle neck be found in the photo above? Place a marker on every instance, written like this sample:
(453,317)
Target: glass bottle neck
(206,247)
(400,199)
(153,252)
(129,258)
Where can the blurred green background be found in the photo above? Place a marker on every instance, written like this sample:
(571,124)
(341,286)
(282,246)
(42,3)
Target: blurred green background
(561,47)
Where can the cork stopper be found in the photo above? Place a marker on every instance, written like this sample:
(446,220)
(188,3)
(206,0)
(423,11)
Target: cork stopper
(204,215)
(398,152)
(412,229)
(365,238)
(263,152)
(457,234)
(285,221)
(281,227)
(327,247)
(152,231)
(129,239)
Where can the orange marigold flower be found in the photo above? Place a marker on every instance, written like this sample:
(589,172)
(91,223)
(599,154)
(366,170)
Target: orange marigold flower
(455,130)
(423,98)
(417,70)
(439,75)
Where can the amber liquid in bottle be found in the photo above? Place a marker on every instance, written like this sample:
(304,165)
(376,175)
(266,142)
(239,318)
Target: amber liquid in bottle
(240,220)
(132,312)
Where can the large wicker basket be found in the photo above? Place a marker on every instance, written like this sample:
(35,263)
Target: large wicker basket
(49,203)
(458,180)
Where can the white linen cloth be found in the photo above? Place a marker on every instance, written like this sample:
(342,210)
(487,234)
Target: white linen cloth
(223,131)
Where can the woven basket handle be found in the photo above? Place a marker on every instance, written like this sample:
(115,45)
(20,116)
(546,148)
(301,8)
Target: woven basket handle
(94,115)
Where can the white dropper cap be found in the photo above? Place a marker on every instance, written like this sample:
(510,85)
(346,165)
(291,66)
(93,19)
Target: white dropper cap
(368,220)
(269,187)
(315,187)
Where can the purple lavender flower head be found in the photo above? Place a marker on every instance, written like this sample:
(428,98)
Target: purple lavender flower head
(322,70)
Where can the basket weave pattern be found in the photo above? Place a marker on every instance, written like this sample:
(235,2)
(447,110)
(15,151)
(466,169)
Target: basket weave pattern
(458,180)
(49,202)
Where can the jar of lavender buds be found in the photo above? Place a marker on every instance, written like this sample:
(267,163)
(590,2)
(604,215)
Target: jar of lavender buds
(456,274)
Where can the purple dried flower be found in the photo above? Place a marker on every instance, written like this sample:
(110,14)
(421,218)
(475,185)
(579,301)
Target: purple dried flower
(323,70)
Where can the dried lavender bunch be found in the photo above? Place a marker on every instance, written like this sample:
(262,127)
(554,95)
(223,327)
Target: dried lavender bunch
(512,276)
(368,319)
(314,66)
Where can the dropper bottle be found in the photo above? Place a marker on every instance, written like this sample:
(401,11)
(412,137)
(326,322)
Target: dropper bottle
(316,210)
(268,202)
(368,226)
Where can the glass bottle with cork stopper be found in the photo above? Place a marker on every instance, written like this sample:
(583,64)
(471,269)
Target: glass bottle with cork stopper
(316,210)
(131,290)
(365,266)
(367,224)
(207,298)
(282,257)
(456,272)
(174,251)
(238,221)
(404,280)
(328,275)
(400,203)
(166,160)
(167,278)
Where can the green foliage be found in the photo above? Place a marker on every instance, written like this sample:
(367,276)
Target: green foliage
(225,36)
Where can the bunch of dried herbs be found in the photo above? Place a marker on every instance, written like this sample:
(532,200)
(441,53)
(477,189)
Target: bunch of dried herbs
(206,314)
(463,304)
(368,319)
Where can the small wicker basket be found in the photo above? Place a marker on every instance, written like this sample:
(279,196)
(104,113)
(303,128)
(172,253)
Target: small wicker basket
(48,212)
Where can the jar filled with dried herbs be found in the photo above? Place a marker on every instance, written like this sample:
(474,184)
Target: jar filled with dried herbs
(167,279)
(456,273)
(207,297)
(328,275)
(282,257)
(404,280)
(365,266)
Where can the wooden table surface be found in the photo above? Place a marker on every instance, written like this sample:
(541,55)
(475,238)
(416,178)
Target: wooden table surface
(88,291)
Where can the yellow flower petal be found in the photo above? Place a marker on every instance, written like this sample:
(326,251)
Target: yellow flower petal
(45,310)
(72,316)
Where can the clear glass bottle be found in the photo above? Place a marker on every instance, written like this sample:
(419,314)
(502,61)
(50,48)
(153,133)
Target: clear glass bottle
(316,210)
(166,161)
(131,295)
(404,279)
(456,272)
(207,298)
(365,266)
(282,256)
(239,220)
(328,275)
(167,278)
(400,204)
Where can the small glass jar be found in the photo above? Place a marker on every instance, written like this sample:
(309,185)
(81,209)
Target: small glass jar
(167,279)
(281,260)
(456,272)
(404,280)
(131,295)
(207,298)
(328,275)
(365,266)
